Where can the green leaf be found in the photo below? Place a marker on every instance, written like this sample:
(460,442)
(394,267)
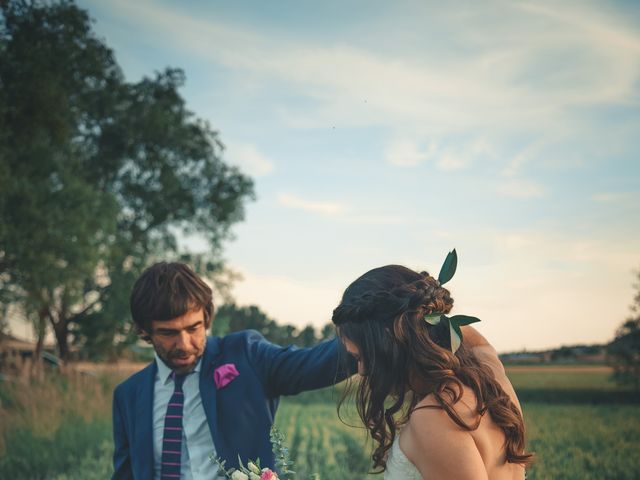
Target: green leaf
(456,336)
(433,318)
(448,267)
(464,320)
(456,327)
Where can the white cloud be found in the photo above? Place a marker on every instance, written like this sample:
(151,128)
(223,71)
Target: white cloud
(516,241)
(522,70)
(611,42)
(451,161)
(571,252)
(521,189)
(250,160)
(463,155)
(380,219)
(324,208)
(514,87)
(616,197)
(521,158)
(407,153)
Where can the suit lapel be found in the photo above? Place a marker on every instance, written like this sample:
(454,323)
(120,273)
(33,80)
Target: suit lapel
(208,392)
(143,444)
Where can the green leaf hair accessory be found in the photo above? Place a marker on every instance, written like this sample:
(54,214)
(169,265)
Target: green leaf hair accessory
(448,269)
(433,318)
(455,323)
(455,333)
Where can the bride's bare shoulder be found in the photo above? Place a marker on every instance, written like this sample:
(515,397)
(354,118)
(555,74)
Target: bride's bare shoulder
(438,446)
(429,413)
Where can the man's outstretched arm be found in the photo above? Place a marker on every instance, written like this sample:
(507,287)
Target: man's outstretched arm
(290,370)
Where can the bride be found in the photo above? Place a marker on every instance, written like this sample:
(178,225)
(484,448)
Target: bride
(436,406)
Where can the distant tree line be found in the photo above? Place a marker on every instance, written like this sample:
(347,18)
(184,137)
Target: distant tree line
(581,353)
(232,318)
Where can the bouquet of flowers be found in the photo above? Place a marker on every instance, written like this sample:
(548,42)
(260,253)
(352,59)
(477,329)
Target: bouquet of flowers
(252,470)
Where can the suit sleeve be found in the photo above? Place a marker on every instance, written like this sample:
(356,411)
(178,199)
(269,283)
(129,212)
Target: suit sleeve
(121,456)
(291,370)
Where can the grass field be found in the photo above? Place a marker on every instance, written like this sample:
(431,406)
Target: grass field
(561,378)
(580,425)
(570,441)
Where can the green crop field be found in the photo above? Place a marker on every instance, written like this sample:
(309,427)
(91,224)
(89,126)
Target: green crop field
(584,441)
(580,425)
(321,444)
(564,378)
(570,441)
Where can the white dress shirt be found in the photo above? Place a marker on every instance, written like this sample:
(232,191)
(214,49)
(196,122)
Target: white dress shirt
(197,444)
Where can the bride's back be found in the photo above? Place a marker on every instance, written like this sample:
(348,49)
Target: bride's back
(439,448)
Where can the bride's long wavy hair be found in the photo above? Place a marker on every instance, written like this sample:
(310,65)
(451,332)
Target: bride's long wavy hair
(382,312)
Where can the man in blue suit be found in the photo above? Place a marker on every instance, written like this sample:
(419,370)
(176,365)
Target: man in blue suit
(207,395)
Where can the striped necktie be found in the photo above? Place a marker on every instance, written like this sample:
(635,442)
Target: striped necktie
(172,437)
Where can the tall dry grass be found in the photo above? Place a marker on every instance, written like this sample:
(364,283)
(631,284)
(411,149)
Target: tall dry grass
(47,422)
(42,405)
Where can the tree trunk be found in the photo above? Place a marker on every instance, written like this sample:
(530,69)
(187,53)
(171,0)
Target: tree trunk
(61,332)
(41,330)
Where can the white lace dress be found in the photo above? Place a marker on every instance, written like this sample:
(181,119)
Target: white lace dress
(398,465)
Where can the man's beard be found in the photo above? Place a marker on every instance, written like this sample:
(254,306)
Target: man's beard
(173,360)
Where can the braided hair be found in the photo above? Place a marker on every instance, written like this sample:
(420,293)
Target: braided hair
(382,312)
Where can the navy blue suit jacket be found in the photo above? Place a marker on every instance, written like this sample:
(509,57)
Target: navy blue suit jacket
(240,414)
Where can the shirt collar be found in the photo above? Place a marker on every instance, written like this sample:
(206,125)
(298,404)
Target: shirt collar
(164,372)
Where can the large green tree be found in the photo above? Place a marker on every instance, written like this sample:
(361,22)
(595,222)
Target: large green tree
(624,350)
(97,175)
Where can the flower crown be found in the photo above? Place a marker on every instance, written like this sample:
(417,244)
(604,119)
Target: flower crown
(446,273)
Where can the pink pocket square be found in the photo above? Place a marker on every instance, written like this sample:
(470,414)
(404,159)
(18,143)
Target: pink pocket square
(225,374)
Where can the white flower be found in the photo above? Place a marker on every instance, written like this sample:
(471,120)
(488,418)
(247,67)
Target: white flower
(238,475)
(253,468)
(253,476)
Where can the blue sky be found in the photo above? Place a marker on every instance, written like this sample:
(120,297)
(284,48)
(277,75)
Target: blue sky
(391,132)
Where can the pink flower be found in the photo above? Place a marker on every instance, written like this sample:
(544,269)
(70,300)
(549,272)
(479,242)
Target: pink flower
(268,475)
(224,374)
